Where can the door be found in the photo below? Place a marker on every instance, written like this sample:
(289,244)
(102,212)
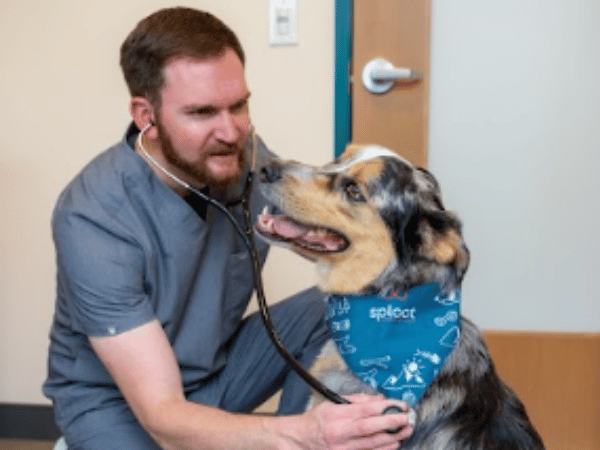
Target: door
(547,370)
(397,31)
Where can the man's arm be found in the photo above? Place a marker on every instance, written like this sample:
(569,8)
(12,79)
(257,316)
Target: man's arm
(142,363)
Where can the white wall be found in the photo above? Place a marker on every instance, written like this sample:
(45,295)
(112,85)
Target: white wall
(515,142)
(63,101)
(513,139)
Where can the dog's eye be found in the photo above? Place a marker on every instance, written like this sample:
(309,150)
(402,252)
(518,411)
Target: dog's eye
(353,192)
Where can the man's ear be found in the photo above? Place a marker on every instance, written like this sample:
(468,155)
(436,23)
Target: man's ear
(142,113)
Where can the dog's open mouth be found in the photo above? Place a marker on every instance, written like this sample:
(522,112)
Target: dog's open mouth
(283,228)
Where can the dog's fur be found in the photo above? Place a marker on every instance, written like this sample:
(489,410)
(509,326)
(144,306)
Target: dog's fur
(374,222)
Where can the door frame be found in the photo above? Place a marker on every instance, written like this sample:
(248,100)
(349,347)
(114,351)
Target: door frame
(343,59)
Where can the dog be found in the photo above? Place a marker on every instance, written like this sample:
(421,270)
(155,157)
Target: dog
(374,223)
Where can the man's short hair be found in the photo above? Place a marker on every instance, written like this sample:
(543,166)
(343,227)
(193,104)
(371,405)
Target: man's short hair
(167,34)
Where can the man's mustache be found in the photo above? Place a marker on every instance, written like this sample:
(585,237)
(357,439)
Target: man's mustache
(227,149)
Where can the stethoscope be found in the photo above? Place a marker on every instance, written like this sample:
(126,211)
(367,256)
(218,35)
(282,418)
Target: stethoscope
(247,236)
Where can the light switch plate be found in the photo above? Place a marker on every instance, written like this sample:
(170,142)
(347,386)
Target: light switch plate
(283,22)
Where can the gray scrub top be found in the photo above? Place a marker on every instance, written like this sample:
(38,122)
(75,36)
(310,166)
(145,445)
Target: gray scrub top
(129,250)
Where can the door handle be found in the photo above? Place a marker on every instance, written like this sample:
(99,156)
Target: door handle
(379,75)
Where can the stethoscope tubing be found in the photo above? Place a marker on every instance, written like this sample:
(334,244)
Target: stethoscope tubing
(247,236)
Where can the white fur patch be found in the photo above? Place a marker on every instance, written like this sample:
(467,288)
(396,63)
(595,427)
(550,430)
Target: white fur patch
(366,153)
(372,151)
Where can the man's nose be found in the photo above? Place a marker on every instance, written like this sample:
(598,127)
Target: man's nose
(228,129)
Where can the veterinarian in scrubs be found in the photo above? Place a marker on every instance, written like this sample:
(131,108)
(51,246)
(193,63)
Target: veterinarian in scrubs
(148,345)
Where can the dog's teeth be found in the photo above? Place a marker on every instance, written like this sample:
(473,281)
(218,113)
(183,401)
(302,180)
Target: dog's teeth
(412,417)
(267,222)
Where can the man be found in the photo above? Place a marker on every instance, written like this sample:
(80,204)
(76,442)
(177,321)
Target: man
(148,346)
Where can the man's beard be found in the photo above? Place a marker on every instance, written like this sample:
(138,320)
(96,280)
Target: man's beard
(200,171)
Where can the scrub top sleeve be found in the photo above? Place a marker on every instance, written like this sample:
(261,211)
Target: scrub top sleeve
(100,275)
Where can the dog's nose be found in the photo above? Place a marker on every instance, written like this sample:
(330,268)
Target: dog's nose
(271,172)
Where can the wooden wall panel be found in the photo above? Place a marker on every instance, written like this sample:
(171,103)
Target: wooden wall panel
(557,375)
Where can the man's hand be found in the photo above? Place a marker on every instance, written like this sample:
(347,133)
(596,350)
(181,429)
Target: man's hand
(359,425)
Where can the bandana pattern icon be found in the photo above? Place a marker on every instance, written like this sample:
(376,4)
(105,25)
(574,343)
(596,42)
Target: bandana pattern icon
(397,345)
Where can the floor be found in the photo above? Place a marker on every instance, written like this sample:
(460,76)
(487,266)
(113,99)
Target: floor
(19,444)
(16,444)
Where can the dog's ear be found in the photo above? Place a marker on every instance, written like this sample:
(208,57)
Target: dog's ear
(429,249)
(440,240)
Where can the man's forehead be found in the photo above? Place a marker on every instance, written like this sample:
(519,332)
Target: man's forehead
(215,81)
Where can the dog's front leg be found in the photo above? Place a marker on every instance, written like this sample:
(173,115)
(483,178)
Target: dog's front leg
(331,370)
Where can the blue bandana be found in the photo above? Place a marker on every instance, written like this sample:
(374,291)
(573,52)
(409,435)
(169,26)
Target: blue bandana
(396,345)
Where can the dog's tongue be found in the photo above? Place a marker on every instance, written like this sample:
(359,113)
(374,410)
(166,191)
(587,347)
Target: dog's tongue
(284,227)
(288,229)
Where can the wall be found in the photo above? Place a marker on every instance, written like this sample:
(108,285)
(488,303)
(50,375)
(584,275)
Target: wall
(63,101)
(515,108)
(515,105)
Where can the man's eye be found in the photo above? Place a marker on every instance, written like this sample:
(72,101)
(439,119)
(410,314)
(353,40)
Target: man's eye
(202,112)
